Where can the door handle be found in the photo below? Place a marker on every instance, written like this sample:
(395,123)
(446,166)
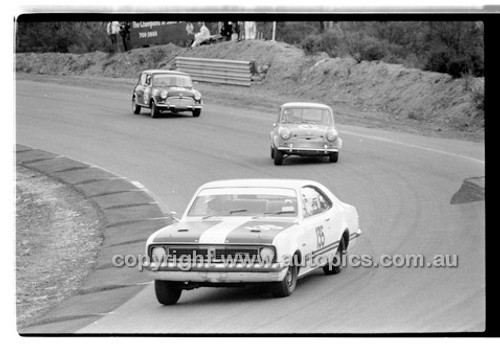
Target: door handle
(327,219)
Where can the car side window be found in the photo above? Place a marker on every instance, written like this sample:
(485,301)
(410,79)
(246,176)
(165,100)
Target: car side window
(324,203)
(148,79)
(315,201)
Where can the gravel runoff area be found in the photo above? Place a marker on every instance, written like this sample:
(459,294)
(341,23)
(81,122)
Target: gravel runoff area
(58,234)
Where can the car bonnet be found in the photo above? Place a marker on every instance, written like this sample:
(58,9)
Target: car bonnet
(234,230)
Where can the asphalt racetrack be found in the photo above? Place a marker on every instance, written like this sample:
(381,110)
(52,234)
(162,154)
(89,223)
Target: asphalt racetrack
(411,192)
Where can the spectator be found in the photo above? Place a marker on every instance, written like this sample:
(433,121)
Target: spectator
(113,29)
(202,35)
(235,31)
(226,31)
(125,33)
(190,33)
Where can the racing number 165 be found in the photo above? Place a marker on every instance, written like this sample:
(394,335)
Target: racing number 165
(320,235)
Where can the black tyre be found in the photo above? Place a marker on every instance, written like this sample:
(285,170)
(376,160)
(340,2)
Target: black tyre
(167,293)
(285,287)
(154,110)
(272,152)
(136,109)
(278,157)
(196,112)
(334,157)
(335,266)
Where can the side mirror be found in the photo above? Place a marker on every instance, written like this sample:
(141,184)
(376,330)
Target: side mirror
(173,215)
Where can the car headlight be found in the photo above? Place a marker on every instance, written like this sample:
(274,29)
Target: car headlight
(158,254)
(267,254)
(197,95)
(164,94)
(285,133)
(331,135)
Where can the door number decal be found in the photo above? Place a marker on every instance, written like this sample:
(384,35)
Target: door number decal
(320,235)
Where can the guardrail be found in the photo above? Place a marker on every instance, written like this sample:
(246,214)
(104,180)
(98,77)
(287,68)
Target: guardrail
(233,72)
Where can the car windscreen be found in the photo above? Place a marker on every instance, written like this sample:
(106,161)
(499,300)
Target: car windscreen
(172,80)
(307,115)
(245,202)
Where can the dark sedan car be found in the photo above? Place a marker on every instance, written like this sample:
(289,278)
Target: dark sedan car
(166,90)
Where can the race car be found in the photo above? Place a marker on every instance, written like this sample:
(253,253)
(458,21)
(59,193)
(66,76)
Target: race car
(304,129)
(165,90)
(235,232)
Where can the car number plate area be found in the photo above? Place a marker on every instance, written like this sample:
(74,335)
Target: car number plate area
(182,102)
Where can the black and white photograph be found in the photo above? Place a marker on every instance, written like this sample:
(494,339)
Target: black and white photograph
(250,171)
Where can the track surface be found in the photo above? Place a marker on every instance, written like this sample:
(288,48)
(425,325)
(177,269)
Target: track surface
(402,185)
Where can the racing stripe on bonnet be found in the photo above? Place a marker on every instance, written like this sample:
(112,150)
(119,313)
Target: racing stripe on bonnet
(219,232)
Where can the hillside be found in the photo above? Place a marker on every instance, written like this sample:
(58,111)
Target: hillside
(389,95)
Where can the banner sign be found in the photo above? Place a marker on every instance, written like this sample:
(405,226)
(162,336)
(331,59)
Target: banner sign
(151,33)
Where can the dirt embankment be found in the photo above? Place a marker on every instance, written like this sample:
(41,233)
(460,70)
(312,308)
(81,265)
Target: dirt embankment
(391,94)
(58,234)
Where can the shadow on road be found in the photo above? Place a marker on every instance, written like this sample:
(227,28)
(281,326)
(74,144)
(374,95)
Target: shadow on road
(472,190)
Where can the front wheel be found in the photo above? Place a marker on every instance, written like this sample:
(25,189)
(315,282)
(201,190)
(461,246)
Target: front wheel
(196,112)
(154,110)
(278,157)
(333,157)
(136,109)
(272,152)
(285,287)
(167,293)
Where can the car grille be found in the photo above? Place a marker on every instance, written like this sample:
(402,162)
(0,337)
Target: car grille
(213,253)
(181,101)
(309,144)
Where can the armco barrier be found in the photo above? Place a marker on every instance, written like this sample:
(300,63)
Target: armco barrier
(233,72)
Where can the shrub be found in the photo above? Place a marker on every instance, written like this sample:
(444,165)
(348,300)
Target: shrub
(372,49)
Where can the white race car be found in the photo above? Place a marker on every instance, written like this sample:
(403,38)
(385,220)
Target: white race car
(252,231)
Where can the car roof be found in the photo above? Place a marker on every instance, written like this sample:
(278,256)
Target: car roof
(305,105)
(259,183)
(159,71)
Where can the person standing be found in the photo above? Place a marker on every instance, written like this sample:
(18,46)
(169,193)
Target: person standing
(235,32)
(125,33)
(113,29)
(226,31)
(190,33)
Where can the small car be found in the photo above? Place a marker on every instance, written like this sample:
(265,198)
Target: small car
(241,231)
(166,90)
(304,129)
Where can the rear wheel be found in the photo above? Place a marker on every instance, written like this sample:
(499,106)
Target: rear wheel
(278,157)
(154,110)
(285,287)
(335,265)
(167,293)
(136,109)
(196,112)
(334,157)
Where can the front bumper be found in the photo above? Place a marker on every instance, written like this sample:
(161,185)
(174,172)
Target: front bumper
(218,273)
(179,104)
(299,150)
